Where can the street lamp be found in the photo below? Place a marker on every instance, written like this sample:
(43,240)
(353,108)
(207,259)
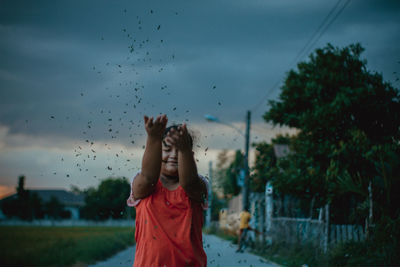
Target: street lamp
(211,118)
(245,189)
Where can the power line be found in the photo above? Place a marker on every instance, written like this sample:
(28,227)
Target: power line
(300,54)
(323,27)
(330,23)
(266,96)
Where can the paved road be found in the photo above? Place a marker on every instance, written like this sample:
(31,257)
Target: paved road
(220,253)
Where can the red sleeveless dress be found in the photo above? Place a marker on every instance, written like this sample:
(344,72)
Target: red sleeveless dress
(168,229)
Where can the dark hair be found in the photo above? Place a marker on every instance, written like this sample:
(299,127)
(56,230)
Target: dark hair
(176,126)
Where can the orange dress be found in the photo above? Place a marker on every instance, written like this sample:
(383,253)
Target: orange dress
(168,230)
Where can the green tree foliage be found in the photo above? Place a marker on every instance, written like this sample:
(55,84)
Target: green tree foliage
(10,207)
(108,201)
(228,171)
(266,164)
(333,93)
(345,115)
(348,120)
(216,205)
(219,172)
(349,139)
(25,205)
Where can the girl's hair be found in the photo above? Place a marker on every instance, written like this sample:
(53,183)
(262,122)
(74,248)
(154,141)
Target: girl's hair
(176,126)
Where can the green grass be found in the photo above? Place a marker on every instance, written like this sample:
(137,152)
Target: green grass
(60,246)
(221,234)
(292,255)
(283,254)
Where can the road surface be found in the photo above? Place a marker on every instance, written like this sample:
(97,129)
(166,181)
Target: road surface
(220,253)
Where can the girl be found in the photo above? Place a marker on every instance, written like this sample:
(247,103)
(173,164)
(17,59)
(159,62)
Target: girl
(169,197)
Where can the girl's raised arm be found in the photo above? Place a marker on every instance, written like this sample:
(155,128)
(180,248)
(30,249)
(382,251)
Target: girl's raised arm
(145,183)
(189,179)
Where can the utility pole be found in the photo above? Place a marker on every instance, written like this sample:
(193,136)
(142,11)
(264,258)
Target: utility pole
(245,186)
(246,163)
(208,218)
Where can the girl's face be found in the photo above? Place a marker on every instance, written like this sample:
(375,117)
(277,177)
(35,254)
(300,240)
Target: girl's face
(169,157)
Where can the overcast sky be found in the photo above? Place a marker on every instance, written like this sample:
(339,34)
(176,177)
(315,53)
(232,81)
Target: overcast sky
(76,77)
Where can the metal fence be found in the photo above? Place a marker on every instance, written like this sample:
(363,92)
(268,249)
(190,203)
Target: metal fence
(294,230)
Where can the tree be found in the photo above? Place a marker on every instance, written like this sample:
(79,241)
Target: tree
(219,172)
(349,121)
(24,205)
(75,190)
(217,205)
(9,206)
(108,200)
(19,206)
(228,171)
(266,164)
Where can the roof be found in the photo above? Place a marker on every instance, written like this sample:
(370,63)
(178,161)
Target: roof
(65,197)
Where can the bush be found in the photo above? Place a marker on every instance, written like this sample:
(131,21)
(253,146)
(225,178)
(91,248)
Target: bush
(381,250)
(292,254)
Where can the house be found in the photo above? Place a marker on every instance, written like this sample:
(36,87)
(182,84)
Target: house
(71,201)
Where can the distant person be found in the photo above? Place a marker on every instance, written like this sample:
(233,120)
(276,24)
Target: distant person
(244,227)
(169,197)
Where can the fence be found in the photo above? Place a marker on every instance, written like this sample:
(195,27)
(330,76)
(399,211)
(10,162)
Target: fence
(298,230)
(268,220)
(317,231)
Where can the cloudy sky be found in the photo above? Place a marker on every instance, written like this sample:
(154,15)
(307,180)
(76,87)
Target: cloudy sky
(76,77)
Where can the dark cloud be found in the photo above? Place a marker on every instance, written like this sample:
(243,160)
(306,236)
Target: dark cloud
(89,61)
(76,77)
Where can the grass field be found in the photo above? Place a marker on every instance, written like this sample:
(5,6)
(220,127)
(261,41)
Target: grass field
(60,246)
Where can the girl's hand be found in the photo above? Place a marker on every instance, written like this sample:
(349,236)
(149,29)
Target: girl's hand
(155,128)
(179,138)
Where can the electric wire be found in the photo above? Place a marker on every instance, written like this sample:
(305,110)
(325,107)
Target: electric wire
(300,54)
(323,27)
